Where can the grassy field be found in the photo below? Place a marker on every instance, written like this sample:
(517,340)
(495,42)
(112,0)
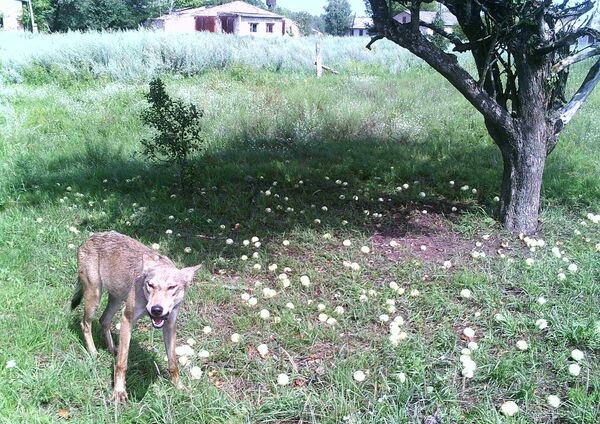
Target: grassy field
(350,187)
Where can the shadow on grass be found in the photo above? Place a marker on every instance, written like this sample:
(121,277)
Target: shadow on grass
(230,194)
(141,372)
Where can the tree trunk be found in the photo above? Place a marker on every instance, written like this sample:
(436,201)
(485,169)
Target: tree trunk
(524,158)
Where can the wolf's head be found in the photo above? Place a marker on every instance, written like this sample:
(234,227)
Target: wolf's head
(164,287)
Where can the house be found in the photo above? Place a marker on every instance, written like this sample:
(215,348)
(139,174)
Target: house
(11,12)
(428,17)
(183,20)
(237,17)
(360,26)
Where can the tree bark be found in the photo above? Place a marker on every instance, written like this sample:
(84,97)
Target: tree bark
(524,155)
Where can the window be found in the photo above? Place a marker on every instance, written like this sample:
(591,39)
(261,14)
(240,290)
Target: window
(404,19)
(253,27)
(360,32)
(270,27)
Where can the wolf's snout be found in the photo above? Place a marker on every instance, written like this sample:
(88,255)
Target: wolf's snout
(156,310)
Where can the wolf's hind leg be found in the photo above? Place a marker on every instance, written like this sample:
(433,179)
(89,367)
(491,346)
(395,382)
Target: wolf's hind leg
(106,320)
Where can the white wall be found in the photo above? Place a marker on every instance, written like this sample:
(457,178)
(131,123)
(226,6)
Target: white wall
(243,26)
(11,10)
(180,24)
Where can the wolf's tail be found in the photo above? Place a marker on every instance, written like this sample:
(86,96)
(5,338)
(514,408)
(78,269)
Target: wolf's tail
(77,296)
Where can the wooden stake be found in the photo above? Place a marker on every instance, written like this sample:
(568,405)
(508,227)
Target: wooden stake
(319,60)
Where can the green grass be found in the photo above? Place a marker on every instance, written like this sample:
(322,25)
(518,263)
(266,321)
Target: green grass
(70,159)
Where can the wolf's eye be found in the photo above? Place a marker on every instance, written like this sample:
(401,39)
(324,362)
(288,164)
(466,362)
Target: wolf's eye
(150,285)
(171,287)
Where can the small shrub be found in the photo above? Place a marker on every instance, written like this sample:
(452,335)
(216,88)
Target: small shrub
(177,129)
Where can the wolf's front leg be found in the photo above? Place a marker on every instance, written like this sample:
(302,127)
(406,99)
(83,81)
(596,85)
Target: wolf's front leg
(170,341)
(130,315)
(119,394)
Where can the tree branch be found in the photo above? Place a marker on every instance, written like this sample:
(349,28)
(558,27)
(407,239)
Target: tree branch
(577,57)
(373,40)
(567,40)
(459,45)
(566,113)
(562,11)
(446,64)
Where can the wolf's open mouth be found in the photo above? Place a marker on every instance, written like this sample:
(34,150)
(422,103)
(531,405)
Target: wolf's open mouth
(158,322)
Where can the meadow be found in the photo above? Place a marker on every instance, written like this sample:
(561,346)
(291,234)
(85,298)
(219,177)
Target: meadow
(353,270)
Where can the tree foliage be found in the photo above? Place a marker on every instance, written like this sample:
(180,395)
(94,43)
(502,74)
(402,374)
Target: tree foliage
(43,13)
(82,15)
(522,50)
(337,17)
(99,14)
(438,39)
(304,21)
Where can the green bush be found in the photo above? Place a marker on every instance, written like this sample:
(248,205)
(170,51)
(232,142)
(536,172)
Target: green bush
(177,129)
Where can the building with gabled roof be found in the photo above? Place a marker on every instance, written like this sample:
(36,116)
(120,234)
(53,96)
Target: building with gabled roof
(360,26)
(236,17)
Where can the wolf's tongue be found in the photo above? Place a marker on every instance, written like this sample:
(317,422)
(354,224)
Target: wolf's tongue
(157,321)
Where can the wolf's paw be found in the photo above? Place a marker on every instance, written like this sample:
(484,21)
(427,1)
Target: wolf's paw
(119,397)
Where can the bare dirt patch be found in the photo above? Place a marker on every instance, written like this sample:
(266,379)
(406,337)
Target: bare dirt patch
(427,235)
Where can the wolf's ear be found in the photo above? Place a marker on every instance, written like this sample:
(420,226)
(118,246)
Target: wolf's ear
(188,273)
(149,262)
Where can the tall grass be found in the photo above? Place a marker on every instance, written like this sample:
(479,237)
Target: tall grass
(130,55)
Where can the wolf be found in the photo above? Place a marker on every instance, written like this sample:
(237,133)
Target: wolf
(135,275)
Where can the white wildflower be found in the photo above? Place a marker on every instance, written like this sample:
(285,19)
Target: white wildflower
(196,373)
(509,408)
(359,376)
(283,380)
(522,345)
(553,401)
(577,355)
(305,281)
(465,293)
(574,369)
(262,349)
